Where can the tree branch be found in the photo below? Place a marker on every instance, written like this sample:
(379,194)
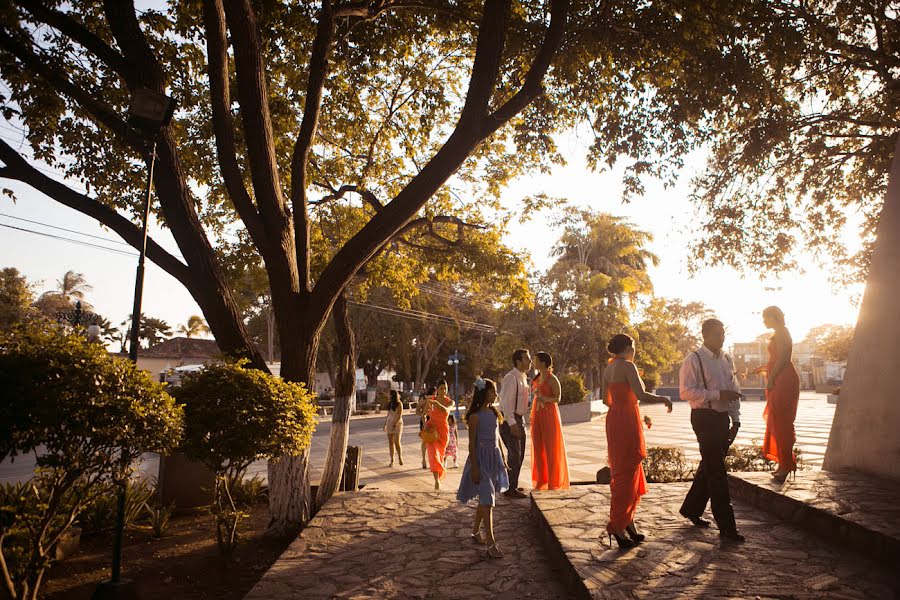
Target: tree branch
(532,88)
(18,168)
(139,56)
(318,71)
(254,100)
(100,111)
(78,32)
(471,129)
(217,67)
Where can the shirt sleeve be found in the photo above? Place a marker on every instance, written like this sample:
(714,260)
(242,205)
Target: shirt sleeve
(507,395)
(691,386)
(734,409)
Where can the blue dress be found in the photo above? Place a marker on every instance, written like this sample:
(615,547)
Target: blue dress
(493,475)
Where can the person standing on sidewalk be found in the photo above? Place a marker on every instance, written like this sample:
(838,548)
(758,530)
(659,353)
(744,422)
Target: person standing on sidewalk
(514,391)
(623,388)
(549,463)
(393,425)
(709,385)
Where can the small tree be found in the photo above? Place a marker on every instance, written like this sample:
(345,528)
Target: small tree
(235,416)
(91,414)
(572,389)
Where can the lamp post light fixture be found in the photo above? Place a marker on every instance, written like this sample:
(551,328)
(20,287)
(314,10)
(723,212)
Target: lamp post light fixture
(453,360)
(79,318)
(148,112)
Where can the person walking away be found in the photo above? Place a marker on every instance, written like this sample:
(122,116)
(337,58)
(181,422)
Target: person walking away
(452,441)
(438,409)
(549,464)
(422,411)
(393,425)
(514,391)
(485,472)
(621,391)
(708,384)
(782,396)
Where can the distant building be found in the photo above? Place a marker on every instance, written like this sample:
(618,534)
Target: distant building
(750,355)
(177,352)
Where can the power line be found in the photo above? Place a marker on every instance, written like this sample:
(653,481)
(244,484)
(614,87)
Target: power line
(455,296)
(65,239)
(420,315)
(98,237)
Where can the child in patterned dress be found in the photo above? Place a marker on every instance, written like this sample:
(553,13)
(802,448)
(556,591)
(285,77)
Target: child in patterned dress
(452,441)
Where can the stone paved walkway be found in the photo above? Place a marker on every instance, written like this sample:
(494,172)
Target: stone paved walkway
(680,561)
(849,508)
(384,545)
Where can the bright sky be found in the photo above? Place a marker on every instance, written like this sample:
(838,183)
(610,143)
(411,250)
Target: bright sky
(808,299)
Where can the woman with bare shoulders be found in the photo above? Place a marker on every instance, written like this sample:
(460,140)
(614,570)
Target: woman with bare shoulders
(782,396)
(393,425)
(622,390)
(549,464)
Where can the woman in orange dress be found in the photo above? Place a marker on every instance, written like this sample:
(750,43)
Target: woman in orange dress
(438,408)
(549,465)
(622,388)
(782,396)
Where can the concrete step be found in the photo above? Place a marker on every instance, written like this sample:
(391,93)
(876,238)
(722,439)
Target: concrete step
(851,509)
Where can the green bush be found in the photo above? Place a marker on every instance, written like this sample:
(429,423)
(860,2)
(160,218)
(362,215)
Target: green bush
(572,389)
(159,518)
(90,414)
(234,416)
(247,492)
(666,465)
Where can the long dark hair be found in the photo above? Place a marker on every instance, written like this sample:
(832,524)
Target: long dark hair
(395,400)
(545,358)
(479,398)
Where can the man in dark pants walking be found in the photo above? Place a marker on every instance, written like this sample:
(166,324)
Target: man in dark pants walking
(513,404)
(709,385)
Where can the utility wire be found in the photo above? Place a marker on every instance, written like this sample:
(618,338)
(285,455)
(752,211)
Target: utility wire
(65,239)
(419,315)
(98,237)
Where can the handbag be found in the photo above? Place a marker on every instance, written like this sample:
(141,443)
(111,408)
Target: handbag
(429,435)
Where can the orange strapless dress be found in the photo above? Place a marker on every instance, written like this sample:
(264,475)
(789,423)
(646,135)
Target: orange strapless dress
(779,414)
(437,419)
(549,465)
(625,443)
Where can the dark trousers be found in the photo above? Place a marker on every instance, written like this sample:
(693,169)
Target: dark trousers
(710,482)
(515,450)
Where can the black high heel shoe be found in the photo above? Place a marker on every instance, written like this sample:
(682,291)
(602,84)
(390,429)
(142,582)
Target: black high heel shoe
(624,543)
(636,537)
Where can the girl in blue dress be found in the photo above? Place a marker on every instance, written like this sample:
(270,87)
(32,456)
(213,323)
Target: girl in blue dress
(485,473)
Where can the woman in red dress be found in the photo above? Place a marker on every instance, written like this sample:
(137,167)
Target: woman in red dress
(437,409)
(782,396)
(622,388)
(549,465)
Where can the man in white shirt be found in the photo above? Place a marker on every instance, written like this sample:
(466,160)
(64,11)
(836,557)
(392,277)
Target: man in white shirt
(513,404)
(709,385)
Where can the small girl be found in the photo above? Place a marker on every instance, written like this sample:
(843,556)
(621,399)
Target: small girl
(452,441)
(484,475)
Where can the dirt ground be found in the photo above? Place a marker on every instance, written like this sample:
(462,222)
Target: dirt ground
(185,563)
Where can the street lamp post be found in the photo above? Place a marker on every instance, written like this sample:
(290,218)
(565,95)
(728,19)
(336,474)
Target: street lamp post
(148,112)
(453,360)
(78,318)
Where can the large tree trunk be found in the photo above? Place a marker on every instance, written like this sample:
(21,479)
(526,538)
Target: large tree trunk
(290,501)
(340,419)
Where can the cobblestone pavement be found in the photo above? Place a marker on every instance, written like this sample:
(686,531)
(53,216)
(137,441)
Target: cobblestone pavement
(854,508)
(410,545)
(586,444)
(681,561)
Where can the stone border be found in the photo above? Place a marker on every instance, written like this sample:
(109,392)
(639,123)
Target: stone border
(818,521)
(571,578)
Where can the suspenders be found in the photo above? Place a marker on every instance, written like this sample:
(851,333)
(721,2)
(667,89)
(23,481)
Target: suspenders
(703,375)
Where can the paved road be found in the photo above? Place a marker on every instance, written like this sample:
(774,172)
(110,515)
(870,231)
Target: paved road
(585,442)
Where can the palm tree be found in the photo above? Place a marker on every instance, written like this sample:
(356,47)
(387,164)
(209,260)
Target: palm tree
(73,285)
(69,289)
(195,326)
(610,254)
